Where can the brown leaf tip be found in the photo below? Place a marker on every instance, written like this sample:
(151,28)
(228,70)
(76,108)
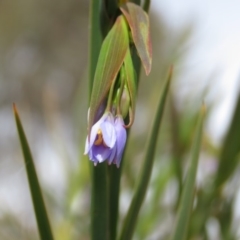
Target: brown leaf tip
(15,109)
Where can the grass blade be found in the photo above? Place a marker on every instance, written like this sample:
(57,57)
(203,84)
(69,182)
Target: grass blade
(131,218)
(95,40)
(186,203)
(230,150)
(37,198)
(99,217)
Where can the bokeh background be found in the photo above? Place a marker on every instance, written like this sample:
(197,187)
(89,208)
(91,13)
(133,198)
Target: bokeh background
(44,69)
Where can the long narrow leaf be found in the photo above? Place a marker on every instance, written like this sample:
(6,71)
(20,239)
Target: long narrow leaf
(112,54)
(95,40)
(131,218)
(231,148)
(37,198)
(99,217)
(186,203)
(99,205)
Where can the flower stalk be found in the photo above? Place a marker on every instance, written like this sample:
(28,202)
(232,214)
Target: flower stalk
(112,103)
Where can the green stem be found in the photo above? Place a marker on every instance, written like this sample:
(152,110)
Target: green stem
(132,215)
(99,204)
(119,96)
(114,188)
(110,95)
(95,40)
(146,5)
(114,191)
(99,210)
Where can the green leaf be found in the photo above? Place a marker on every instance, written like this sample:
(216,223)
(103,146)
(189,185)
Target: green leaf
(146,5)
(112,54)
(95,41)
(114,189)
(132,215)
(231,148)
(131,83)
(186,202)
(99,204)
(37,198)
(136,1)
(139,24)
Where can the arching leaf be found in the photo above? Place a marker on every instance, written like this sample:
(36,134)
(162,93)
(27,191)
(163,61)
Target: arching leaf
(139,24)
(110,59)
(36,193)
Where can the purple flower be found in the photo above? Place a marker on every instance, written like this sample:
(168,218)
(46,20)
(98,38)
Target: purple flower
(120,142)
(107,140)
(101,143)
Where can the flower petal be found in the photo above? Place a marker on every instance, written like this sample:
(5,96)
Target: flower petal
(100,153)
(112,155)
(95,129)
(121,139)
(108,132)
(86,147)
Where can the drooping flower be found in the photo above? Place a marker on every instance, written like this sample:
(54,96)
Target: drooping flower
(107,140)
(121,137)
(101,144)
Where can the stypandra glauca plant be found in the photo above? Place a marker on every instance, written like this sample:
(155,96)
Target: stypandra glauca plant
(119,45)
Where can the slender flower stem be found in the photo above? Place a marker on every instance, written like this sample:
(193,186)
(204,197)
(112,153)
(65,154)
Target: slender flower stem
(115,175)
(122,79)
(110,95)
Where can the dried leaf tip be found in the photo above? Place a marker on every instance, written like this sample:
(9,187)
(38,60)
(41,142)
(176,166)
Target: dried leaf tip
(15,109)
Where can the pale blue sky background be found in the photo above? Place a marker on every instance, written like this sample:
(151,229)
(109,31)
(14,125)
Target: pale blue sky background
(214,49)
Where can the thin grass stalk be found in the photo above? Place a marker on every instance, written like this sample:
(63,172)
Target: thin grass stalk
(186,202)
(136,203)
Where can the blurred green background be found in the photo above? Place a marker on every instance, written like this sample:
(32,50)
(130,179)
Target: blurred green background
(43,69)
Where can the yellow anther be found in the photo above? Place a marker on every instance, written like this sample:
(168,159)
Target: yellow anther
(99,138)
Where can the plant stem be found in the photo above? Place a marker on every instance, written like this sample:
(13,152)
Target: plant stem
(99,210)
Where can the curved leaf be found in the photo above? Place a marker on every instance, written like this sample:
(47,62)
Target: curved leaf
(37,198)
(110,59)
(231,148)
(132,215)
(139,24)
(186,202)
